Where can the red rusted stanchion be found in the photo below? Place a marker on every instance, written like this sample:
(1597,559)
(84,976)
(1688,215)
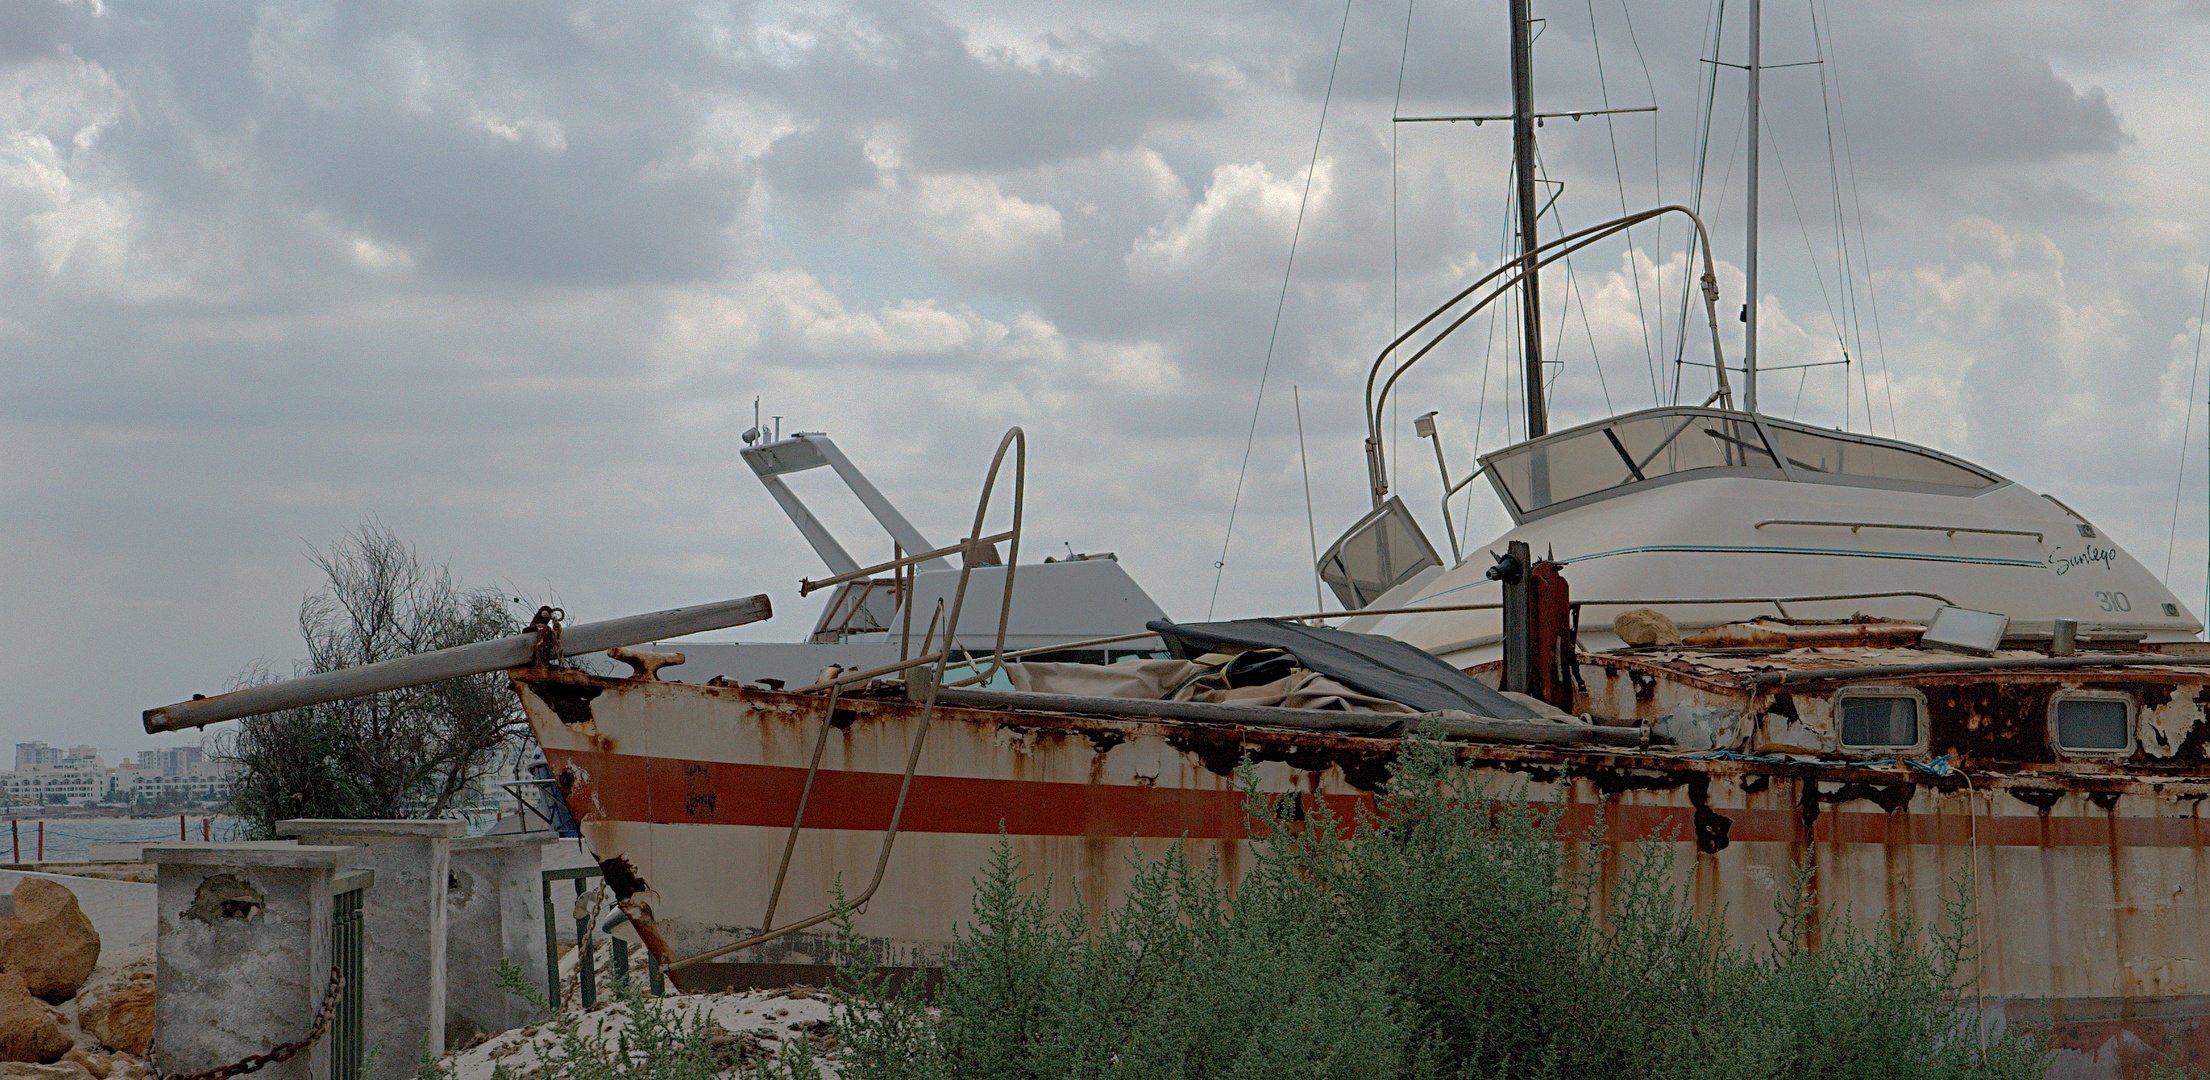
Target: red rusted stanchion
(206,831)
(180,836)
(42,841)
(15,836)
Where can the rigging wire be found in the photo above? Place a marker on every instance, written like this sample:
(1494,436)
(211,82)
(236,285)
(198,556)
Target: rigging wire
(1844,273)
(1220,565)
(2186,437)
(1573,292)
(1857,201)
(1488,364)
(1801,227)
(1709,95)
(1395,111)
(1657,183)
(1619,174)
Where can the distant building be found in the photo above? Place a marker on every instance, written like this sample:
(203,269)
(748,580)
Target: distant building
(36,753)
(175,761)
(59,783)
(174,776)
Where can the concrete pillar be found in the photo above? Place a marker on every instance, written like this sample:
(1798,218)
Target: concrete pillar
(405,920)
(494,911)
(242,952)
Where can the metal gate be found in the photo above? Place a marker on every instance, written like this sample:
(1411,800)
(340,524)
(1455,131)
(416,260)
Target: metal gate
(348,946)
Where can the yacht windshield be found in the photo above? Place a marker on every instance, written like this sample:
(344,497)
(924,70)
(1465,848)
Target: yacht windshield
(1809,451)
(1651,446)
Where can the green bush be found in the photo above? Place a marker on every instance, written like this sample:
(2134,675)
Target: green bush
(1446,934)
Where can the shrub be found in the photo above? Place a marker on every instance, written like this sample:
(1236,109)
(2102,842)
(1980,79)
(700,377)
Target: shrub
(1447,933)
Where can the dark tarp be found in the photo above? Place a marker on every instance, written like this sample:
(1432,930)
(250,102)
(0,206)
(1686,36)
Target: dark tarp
(1368,663)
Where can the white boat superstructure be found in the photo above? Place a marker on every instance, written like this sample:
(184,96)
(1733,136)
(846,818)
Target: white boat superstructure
(1687,504)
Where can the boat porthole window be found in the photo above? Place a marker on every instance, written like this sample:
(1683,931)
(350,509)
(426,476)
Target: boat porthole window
(1879,719)
(2092,722)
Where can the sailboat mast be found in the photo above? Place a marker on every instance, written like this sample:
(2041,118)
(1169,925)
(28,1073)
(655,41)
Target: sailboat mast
(1749,309)
(1523,168)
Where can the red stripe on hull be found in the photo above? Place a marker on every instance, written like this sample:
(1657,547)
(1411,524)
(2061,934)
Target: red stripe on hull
(622,787)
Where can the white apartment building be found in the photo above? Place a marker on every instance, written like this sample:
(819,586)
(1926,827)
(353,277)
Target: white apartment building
(70,783)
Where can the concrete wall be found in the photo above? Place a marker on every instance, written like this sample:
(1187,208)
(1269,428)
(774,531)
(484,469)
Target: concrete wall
(494,911)
(242,953)
(404,916)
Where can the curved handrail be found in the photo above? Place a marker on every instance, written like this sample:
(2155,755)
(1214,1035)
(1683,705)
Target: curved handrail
(1016,440)
(1518,268)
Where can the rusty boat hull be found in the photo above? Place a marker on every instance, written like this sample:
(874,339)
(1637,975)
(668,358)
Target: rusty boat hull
(2092,888)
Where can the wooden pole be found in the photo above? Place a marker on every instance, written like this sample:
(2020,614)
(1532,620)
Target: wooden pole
(453,663)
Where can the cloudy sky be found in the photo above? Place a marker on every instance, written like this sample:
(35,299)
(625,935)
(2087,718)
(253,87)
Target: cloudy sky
(508,277)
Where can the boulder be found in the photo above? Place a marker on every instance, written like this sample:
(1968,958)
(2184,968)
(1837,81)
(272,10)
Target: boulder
(119,1011)
(1646,626)
(60,1070)
(48,941)
(96,1064)
(30,1029)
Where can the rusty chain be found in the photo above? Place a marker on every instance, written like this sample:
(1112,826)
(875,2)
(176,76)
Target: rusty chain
(546,625)
(282,1051)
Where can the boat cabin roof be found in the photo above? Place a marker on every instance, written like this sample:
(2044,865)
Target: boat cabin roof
(1636,450)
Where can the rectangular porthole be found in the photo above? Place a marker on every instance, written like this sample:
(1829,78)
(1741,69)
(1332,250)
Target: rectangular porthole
(2092,722)
(1879,720)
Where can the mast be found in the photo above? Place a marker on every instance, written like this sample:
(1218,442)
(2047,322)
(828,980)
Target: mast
(1757,132)
(1523,169)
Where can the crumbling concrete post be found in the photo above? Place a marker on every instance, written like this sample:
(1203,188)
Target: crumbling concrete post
(405,921)
(494,911)
(242,953)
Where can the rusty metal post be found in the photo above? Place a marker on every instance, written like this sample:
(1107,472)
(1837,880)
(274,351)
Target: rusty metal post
(1552,647)
(587,980)
(1512,571)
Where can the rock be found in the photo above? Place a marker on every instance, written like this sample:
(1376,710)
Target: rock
(30,1029)
(24,1070)
(125,1067)
(119,1012)
(96,1064)
(48,941)
(1645,626)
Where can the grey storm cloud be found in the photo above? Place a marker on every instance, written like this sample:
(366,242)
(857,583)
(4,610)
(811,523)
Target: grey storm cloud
(509,276)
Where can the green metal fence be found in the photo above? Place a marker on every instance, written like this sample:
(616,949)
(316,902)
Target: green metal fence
(348,947)
(586,977)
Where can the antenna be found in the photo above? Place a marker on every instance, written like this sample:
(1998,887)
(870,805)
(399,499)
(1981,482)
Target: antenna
(752,434)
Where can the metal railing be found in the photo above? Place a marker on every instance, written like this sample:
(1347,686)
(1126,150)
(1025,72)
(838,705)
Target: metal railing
(1693,601)
(348,950)
(586,976)
(1853,526)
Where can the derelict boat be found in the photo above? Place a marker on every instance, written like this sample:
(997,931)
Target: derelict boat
(1828,702)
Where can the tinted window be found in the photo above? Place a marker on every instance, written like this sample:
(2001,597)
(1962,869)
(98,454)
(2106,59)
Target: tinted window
(1879,721)
(2096,724)
(1382,551)
(1629,451)
(1813,453)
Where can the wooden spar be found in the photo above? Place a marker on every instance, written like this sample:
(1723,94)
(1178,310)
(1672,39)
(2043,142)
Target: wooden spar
(442,664)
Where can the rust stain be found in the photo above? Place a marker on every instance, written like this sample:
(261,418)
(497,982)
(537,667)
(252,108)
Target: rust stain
(699,799)
(569,701)
(622,877)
